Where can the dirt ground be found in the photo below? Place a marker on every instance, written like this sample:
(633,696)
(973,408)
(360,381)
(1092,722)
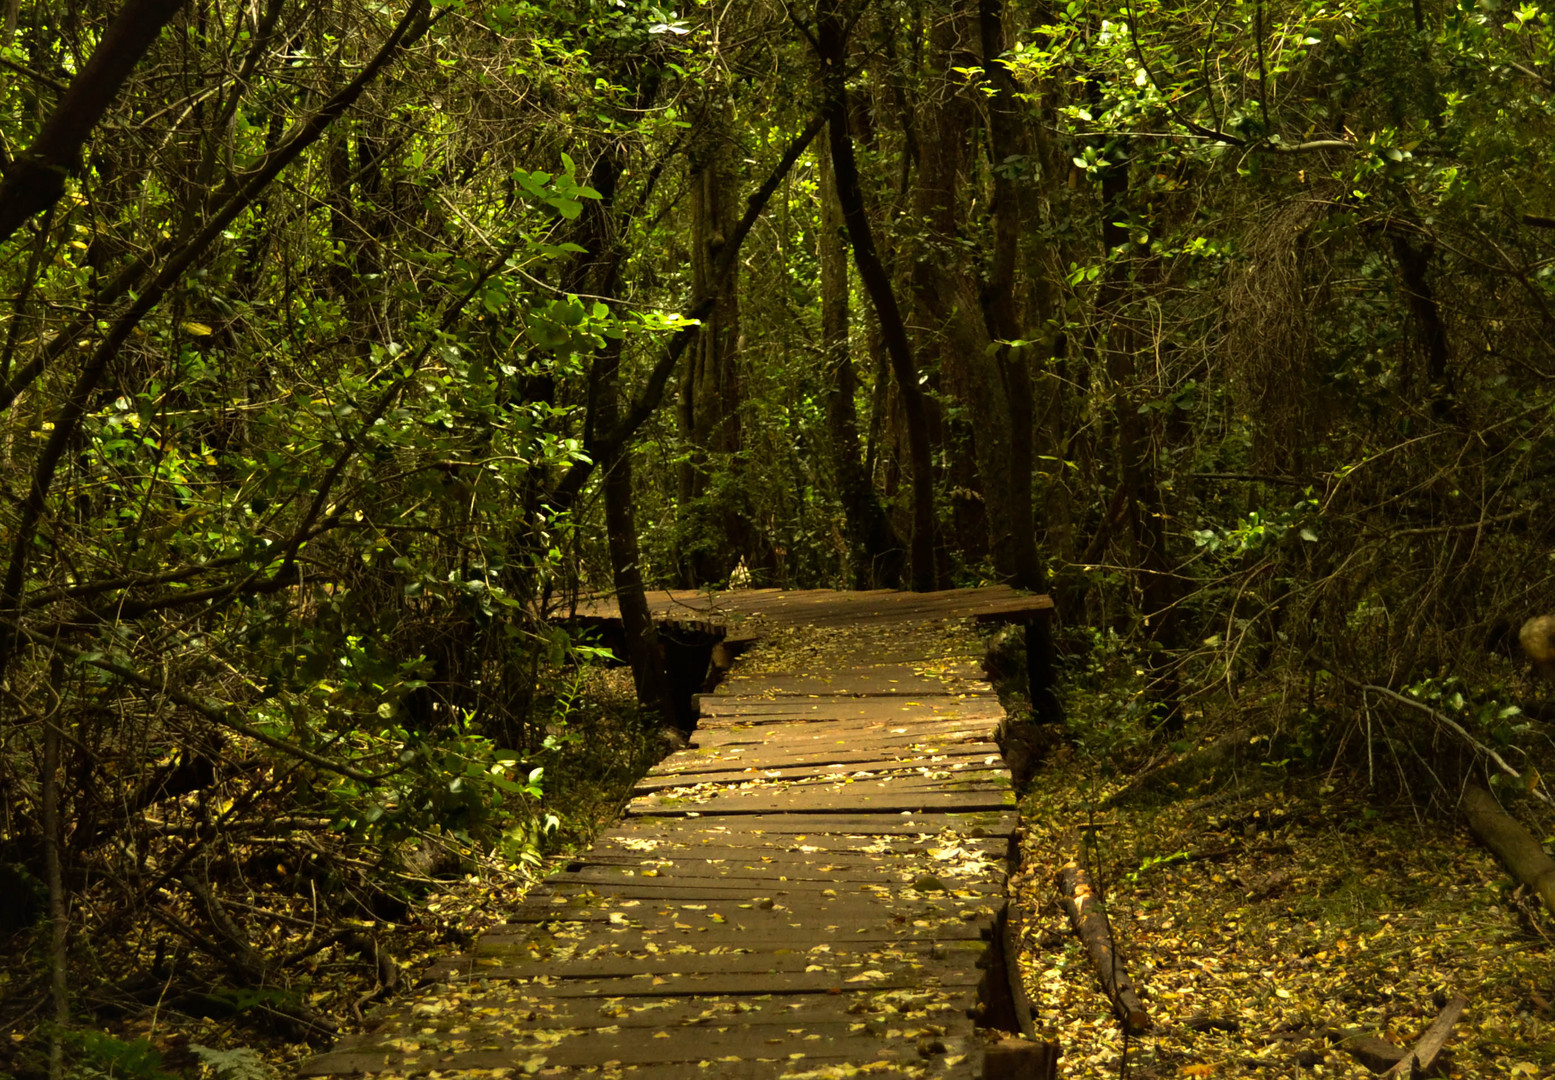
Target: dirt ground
(1264,927)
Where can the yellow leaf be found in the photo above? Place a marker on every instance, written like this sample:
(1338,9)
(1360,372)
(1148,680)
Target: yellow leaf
(197,329)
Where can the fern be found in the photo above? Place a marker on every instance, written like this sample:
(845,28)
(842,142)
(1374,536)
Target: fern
(243,1063)
(101,1055)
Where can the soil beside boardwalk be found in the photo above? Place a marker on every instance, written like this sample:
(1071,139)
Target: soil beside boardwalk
(804,892)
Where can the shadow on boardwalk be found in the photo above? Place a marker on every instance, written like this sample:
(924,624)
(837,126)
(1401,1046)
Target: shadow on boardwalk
(806,891)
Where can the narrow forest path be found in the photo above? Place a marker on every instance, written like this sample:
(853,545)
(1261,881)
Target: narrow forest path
(807,891)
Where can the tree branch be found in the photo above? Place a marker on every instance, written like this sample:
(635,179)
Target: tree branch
(36,179)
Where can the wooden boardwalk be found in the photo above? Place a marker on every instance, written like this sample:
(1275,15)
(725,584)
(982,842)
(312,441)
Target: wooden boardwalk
(807,891)
(747,612)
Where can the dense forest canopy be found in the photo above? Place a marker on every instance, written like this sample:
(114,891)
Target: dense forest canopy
(345,344)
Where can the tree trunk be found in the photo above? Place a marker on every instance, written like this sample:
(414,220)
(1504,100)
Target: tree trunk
(831,46)
(613,454)
(1414,265)
(615,461)
(710,391)
(1000,310)
(1514,845)
(868,532)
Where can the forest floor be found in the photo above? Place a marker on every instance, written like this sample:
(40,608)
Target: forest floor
(1277,918)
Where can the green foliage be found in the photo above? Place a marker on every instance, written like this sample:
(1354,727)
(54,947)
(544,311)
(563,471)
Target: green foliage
(1107,699)
(95,1054)
(1150,862)
(239,1063)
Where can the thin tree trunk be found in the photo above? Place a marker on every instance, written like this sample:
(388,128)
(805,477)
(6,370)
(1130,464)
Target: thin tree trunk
(1414,264)
(710,389)
(614,455)
(868,531)
(642,635)
(59,915)
(831,45)
(999,305)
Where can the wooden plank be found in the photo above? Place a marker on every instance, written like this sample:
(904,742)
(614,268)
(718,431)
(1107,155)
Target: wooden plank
(888,740)
(710,983)
(676,928)
(732,699)
(451,1005)
(747,920)
(854,966)
(675,1055)
(886,868)
(867,684)
(888,801)
(717,842)
(821,769)
(806,721)
(905,777)
(808,607)
(974,824)
(829,1042)
(782,890)
(839,859)
(881,746)
(885,730)
(833,1042)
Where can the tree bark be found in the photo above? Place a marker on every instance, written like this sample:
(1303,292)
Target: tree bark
(642,635)
(1513,845)
(710,388)
(1089,919)
(831,45)
(869,535)
(36,179)
(1000,310)
(1423,1054)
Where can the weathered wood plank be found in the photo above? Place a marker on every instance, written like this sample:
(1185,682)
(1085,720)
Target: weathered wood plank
(711,983)
(974,824)
(959,865)
(860,797)
(733,1053)
(731,770)
(453,1005)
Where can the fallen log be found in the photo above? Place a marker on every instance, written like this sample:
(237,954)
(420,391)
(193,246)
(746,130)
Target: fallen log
(1419,1060)
(1089,918)
(1513,845)
(1376,1054)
